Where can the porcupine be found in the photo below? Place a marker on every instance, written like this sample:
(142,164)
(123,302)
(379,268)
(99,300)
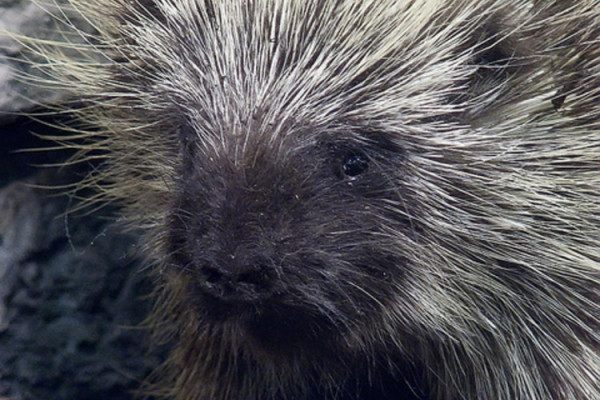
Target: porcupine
(377,199)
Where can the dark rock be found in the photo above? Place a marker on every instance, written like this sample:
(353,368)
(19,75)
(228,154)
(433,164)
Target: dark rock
(71,297)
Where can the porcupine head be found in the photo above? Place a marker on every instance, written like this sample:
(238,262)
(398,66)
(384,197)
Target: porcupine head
(358,199)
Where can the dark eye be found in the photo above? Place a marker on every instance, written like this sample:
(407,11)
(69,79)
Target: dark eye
(355,164)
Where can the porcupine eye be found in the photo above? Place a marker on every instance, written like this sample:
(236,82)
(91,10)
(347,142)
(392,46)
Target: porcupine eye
(355,164)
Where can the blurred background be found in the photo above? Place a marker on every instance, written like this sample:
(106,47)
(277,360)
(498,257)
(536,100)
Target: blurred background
(73,292)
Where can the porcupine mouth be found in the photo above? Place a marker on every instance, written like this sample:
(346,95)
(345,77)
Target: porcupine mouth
(267,309)
(273,324)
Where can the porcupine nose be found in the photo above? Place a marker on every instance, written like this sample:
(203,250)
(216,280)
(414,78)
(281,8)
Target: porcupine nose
(243,258)
(238,279)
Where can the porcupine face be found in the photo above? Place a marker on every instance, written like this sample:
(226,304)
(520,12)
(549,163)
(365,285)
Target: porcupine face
(287,239)
(296,231)
(296,224)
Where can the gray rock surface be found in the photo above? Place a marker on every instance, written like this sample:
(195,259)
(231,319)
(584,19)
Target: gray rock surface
(71,293)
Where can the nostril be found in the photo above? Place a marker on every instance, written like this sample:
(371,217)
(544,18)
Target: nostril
(260,278)
(211,274)
(245,283)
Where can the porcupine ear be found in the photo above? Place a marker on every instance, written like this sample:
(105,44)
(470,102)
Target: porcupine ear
(516,45)
(501,52)
(574,49)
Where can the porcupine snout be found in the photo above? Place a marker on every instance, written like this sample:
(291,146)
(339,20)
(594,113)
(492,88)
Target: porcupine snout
(235,223)
(236,260)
